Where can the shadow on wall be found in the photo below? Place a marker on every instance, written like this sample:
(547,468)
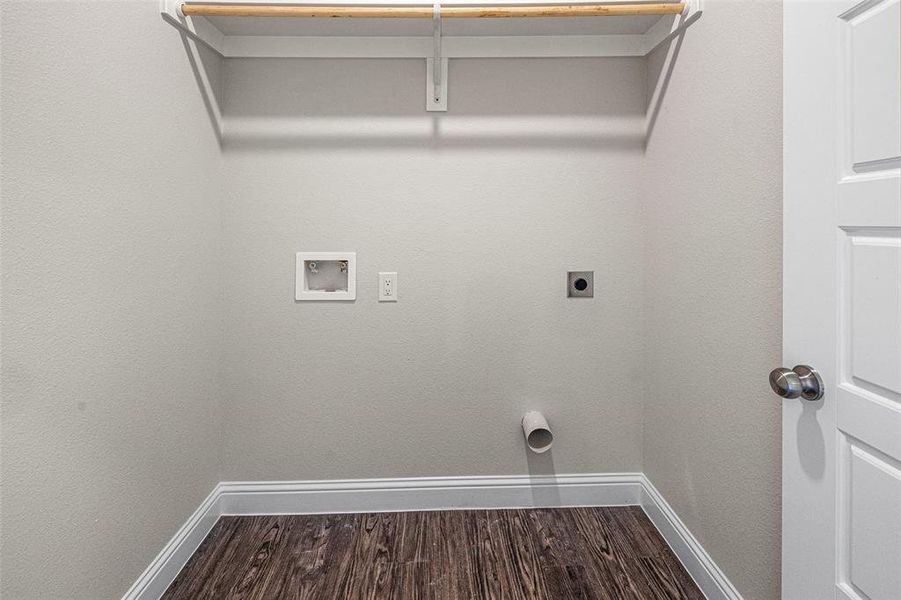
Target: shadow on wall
(603,103)
(542,473)
(661,63)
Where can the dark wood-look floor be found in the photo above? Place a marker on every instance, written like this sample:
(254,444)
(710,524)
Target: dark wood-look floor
(604,553)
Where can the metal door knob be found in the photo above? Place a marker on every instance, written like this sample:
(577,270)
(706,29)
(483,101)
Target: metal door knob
(802,381)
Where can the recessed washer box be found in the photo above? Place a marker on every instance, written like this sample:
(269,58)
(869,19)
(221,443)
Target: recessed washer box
(325,276)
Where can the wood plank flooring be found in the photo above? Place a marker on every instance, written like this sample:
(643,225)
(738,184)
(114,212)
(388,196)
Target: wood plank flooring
(604,553)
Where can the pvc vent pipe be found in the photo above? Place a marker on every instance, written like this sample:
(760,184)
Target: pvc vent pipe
(537,431)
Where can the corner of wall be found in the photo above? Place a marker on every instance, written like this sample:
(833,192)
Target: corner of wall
(713,185)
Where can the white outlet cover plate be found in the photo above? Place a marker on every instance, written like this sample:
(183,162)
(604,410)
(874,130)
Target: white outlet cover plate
(384,277)
(302,293)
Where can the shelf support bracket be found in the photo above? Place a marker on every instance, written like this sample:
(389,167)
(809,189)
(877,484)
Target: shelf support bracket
(436,68)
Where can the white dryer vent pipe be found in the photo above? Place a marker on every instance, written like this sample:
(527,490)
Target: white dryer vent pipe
(537,431)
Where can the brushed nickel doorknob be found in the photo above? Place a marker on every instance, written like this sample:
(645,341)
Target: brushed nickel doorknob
(799,382)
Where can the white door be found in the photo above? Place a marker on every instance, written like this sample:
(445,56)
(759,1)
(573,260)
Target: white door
(842,300)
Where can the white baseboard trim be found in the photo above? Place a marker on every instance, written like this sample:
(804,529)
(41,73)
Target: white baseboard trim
(707,575)
(175,554)
(429,493)
(432,493)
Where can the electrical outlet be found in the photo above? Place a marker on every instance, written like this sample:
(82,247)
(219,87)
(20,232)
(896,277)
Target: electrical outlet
(580,284)
(387,287)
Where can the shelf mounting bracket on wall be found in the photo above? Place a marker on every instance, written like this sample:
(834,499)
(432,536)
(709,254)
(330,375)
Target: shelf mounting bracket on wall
(436,68)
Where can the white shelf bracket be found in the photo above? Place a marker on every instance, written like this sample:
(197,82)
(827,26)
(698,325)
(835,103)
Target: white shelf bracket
(436,68)
(667,30)
(198,30)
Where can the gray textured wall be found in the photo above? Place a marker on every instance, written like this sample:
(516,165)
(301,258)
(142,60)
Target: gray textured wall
(714,200)
(535,170)
(146,276)
(110,305)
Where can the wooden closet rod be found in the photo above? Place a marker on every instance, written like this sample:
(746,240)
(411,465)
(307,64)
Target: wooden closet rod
(425,12)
